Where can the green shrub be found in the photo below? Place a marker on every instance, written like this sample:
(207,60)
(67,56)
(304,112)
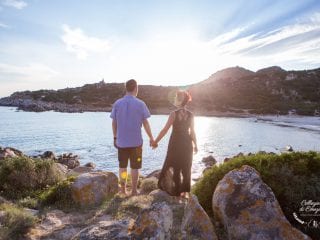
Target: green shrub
(293,177)
(20,176)
(58,195)
(15,221)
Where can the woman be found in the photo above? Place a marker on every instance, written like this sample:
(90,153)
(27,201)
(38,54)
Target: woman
(175,176)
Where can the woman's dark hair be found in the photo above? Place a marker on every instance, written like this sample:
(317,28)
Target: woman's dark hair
(184,96)
(131,85)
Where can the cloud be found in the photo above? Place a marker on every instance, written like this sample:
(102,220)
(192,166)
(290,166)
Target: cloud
(3,25)
(18,4)
(299,41)
(81,45)
(31,72)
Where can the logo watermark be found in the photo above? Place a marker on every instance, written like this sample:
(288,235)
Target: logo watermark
(309,214)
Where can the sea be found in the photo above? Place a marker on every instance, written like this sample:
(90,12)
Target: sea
(89,135)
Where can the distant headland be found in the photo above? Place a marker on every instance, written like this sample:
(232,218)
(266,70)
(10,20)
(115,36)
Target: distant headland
(232,91)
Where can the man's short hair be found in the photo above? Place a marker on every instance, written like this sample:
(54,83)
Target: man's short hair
(131,85)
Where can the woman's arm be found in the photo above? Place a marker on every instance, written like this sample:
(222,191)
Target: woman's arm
(165,129)
(193,136)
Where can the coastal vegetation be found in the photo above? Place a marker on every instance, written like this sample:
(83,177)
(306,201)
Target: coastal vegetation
(24,176)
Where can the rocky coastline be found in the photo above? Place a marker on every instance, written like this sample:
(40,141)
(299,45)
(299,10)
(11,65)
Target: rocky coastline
(244,206)
(30,105)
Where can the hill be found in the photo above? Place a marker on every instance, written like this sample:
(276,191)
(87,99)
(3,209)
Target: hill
(268,91)
(231,91)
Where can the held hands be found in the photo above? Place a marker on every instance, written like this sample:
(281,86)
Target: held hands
(153,144)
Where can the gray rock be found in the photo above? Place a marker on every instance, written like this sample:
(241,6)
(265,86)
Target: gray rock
(148,185)
(90,165)
(196,222)
(69,160)
(248,209)
(63,169)
(153,223)
(209,161)
(92,188)
(79,170)
(48,155)
(155,173)
(105,230)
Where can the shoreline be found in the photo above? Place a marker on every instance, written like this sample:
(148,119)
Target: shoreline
(260,117)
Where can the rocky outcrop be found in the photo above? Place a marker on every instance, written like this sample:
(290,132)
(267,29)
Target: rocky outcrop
(70,160)
(10,152)
(248,209)
(150,216)
(94,187)
(153,216)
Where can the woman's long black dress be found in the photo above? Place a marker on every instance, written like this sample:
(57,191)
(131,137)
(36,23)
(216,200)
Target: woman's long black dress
(175,176)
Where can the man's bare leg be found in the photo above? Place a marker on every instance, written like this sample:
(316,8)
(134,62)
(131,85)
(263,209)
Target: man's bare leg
(123,179)
(134,180)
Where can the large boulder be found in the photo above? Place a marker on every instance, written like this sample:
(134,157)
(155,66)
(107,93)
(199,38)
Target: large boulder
(248,209)
(92,188)
(155,222)
(171,218)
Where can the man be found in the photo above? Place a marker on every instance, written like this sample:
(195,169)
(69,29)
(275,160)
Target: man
(128,115)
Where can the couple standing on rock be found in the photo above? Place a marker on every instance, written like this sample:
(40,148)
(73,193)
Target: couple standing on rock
(128,115)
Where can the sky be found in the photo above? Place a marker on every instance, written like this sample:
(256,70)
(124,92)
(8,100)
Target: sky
(47,44)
